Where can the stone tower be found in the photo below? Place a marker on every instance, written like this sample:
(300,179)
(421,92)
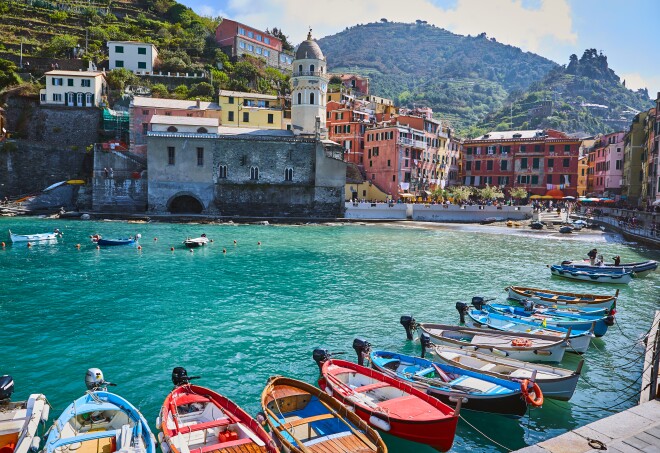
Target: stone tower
(309,87)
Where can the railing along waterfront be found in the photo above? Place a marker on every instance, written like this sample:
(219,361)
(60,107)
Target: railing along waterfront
(627,221)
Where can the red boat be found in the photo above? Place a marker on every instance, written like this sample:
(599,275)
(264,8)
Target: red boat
(194,419)
(389,404)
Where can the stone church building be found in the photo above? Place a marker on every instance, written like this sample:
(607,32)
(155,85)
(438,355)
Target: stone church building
(211,169)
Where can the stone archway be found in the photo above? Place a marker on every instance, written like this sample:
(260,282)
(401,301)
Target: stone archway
(185,203)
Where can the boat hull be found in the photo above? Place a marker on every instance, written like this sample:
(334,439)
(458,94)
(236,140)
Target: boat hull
(436,432)
(114,242)
(552,351)
(555,383)
(33,237)
(592,277)
(640,269)
(559,299)
(19,423)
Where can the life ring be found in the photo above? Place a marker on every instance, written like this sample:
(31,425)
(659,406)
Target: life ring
(521,342)
(537,401)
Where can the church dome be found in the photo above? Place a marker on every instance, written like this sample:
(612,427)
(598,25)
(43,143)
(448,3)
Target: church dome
(308,49)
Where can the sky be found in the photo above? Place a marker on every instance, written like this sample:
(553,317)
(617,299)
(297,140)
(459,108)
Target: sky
(623,29)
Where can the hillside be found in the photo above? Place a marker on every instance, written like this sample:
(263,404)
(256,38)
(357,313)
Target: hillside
(586,96)
(462,78)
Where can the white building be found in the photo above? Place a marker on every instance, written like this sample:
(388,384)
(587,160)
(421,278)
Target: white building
(184,124)
(138,57)
(74,88)
(309,89)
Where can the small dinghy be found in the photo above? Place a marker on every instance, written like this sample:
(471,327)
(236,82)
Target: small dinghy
(99,240)
(33,237)
(20,420)
(599,323)
(303,418)
(388,404)
(621,278)
(196,242)
(579,340)
(566,229)
(641,268)
(560,298)
(100,422)
(555,383)
(480,392)
(536,225)
(522,346)
(195,419)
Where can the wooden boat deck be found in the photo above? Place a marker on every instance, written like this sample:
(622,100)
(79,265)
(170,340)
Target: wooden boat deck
(344,443)
(247,448)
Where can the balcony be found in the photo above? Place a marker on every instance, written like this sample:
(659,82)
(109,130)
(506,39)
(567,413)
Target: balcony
(310,74)
(414,143)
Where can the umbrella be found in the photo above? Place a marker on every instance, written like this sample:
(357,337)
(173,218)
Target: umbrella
(555,193)
(656,203)
(546,197)
(535,197)
(568,198)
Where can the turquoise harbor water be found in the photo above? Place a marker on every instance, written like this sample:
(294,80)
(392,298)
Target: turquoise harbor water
(256,311)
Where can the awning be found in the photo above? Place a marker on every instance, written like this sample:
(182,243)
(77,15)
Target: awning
(535,197)
(428,193)
(406,195)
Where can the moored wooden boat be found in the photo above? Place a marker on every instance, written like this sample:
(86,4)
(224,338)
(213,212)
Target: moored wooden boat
(519,345)
(390,404)
(20,420)
(578,340)
(599,323)
(100,422)
(555,383)
(484,393)
(303,418)
(639,268)
(620,278)
(195,419)
(560,298)
(32,237)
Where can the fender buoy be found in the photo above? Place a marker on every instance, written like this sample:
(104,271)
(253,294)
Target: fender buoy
(172,249)
(155,239)
(3,244)
(98,247)
(235,242)
(537,400)
(192,251)
(259,243)
(224,250)
(139,247)
(29,244)
(521,342)
(77,246)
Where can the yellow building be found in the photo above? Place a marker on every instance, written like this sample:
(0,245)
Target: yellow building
(257,111)
(357,188)
(583,167)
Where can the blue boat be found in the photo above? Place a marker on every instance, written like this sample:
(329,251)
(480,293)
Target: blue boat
(477,391)
(579,340)
(555,318)
(111,242)
(100,422)
(576,273)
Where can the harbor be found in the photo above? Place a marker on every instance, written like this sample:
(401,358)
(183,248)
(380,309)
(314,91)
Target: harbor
(239,312)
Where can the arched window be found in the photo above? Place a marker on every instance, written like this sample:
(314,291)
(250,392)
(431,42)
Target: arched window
(202,130)
(172,129)
(300,68)
(88,99)
(254,173)
(311,98)
(288,174)
(79,99)
(311,68)
(299,98)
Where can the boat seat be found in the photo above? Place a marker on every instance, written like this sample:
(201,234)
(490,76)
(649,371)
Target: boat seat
(488,367)
(368,387)
(206,425)
(302,421)
(222,445)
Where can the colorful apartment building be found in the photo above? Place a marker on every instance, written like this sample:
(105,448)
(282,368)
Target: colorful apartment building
(253,110)
(358,85)
(606,165)
(236,39)
(142,109)
(654,192)
(633,174)
(538,160)
(74,88)
(347,126)
(649,159)
(583,170)
(137,57)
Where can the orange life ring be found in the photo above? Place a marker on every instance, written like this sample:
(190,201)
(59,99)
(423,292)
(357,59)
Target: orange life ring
(537,400)
(521,342)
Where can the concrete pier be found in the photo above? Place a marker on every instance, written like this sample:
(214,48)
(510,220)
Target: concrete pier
(634,430)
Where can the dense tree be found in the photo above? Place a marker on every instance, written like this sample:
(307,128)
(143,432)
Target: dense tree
(8,76)
(118,79)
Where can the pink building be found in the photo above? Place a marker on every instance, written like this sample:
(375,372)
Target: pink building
(606,165)
(142,109)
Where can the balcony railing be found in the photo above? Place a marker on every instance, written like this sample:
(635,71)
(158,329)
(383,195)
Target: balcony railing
(309,74)
(413,143)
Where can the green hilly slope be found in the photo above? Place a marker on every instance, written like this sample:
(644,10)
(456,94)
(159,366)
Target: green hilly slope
(586,96)
(462,78)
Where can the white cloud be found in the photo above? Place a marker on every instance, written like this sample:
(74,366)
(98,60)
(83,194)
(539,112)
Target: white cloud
(635,81)
(509,21)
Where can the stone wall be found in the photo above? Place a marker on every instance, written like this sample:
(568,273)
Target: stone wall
(123,187)
(29,167)
(60,126)
(435,212)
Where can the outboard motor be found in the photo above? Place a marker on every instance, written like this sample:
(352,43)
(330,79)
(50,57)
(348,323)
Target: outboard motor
(462,308)
(478,302)
(362,348)
(609,321)
(180,376)
(94,380)
(528,305)
(320,356)
(408,323)
(6,387)
(425,341)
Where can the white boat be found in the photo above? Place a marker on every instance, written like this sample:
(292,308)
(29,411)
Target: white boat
(622,278)
(20,421)
(196,242)
(522,346)
(32,237)
(556,383)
